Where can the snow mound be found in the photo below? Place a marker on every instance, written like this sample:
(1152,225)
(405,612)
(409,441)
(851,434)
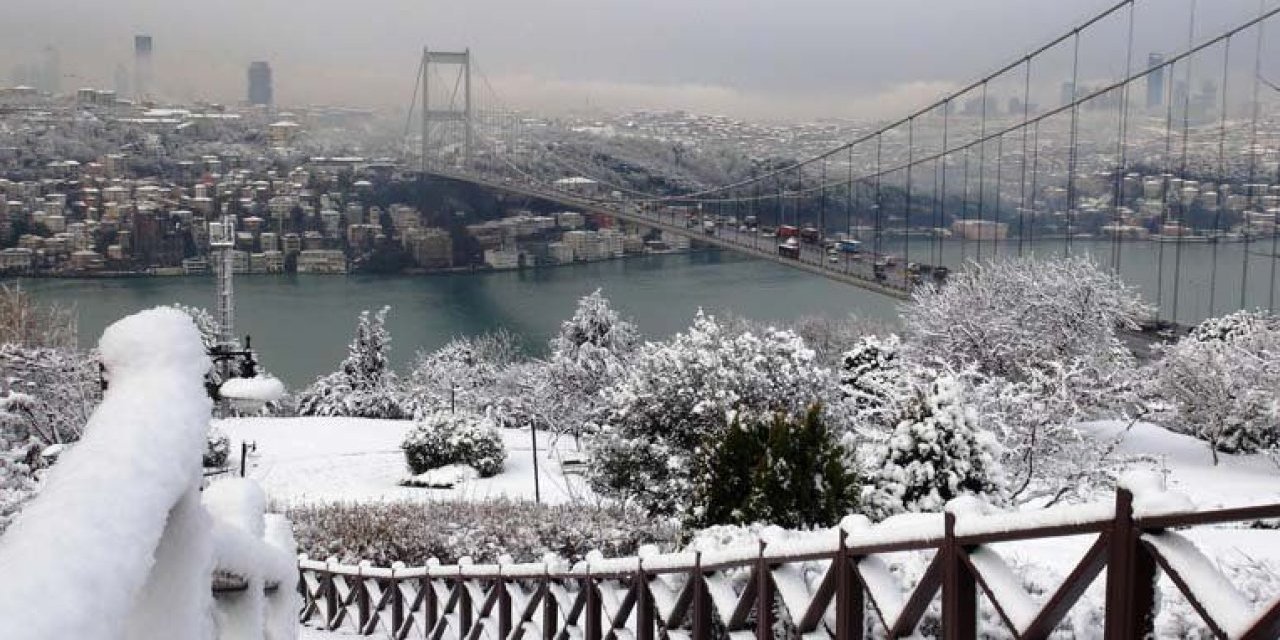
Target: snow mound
(446,477)
(89,548)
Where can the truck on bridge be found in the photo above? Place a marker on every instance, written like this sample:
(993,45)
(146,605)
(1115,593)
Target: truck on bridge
(788,231)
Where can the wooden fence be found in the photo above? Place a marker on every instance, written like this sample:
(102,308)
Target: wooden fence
(840,588)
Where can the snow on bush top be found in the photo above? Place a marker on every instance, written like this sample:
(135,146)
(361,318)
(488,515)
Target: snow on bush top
(260,388)
(85,546)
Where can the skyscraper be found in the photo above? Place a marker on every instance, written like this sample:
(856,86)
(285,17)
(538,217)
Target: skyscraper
(1155,81)
(260,83)
(142,66)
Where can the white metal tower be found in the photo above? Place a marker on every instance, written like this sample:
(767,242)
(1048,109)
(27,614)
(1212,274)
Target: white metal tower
(222,241)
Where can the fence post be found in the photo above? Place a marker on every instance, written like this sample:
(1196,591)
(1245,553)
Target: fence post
(592,632)
(362,601)
(330,600)
(959,593)
(550,626)
(464,607)
(764,597)
(397,604)
(430,609)
(1131,576)
(849,603)
(701,608)
(504,606)
(644,605)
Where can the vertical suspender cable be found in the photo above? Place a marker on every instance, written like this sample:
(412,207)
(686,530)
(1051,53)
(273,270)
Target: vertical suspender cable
(1222,177)
(1072,152)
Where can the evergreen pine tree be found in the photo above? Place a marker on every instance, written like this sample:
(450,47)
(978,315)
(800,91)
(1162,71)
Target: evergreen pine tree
(788,471)
(364,385)
(936,452)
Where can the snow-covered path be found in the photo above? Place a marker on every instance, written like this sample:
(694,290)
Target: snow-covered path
(302,460)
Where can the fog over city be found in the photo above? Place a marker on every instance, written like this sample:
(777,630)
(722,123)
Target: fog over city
(776,60)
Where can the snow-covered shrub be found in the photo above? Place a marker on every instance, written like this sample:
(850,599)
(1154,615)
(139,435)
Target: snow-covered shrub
(662,421)
(460,375)
(444,438)
(936,452)
(25,322)
(18,482)
(1219,382)
(588,355)
(1008,315)
(785,471)
(50,392)
(217,449)
(364,386)
(387,532)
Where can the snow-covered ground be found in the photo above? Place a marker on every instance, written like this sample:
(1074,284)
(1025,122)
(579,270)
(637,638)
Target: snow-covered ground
(324,459)
(300,460)
(1188,466)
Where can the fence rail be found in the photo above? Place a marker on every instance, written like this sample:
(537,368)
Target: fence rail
(837,587)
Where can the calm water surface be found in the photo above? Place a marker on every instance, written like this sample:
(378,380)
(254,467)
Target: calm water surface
(301,324)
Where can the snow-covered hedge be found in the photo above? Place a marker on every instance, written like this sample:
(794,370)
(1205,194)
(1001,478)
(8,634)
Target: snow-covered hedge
(393,532)
(444,438)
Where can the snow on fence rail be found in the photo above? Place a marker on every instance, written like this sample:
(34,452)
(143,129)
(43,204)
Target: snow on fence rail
(120,543)
(824,588)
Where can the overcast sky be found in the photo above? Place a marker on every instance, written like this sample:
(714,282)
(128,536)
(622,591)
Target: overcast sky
(782,58)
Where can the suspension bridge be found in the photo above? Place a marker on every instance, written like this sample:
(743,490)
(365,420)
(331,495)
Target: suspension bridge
(1165,167)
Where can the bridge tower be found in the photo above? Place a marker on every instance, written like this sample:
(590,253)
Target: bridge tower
(450,111)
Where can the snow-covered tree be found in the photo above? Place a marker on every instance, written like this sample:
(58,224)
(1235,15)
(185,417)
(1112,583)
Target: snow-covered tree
(936,452)
(364,386)
(876,380)
(1219,382)
(679,397)
(460,375)
(588,355)
(1009,315)
(1035,418)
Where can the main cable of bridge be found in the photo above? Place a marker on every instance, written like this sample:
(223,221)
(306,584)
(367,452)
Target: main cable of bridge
(747,191)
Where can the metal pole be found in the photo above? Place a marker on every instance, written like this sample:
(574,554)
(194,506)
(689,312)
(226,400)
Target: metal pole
(426,105)
(533,438)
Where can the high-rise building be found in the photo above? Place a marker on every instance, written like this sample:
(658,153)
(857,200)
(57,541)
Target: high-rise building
(260,83)
(142,66)
(51,71)
(1155,81)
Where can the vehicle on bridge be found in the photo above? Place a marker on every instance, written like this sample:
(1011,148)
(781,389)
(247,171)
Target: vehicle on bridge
(849,246)
(751,222)
(810,235)
(709,227)
(788,231)
(789,248)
